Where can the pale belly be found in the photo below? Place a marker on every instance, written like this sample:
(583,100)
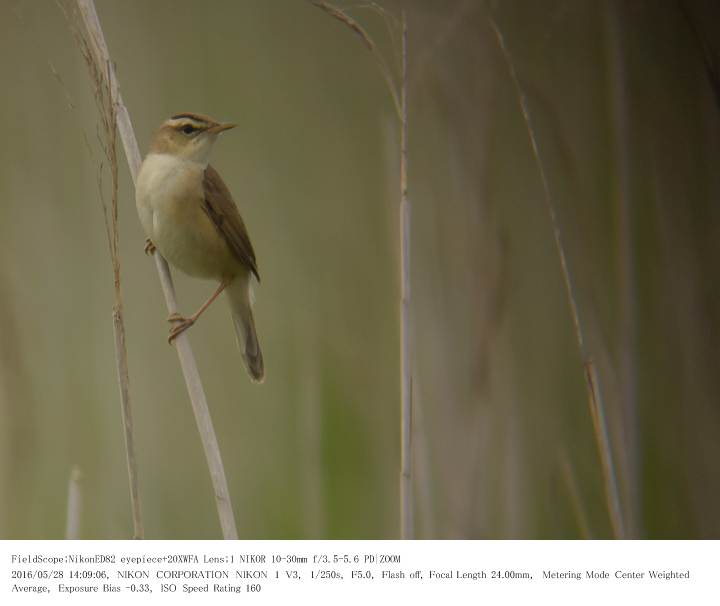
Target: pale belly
(169,201)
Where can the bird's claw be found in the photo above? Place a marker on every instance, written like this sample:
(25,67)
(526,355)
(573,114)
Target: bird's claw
(182,324)
(149,247)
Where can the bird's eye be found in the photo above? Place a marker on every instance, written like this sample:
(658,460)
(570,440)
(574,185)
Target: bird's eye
(188,130)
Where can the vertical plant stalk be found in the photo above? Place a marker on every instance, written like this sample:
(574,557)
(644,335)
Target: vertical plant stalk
(626,260)
(101,57)
(574,494)
(421,472)
(597,407)
(711,60)
(128,427)
(74,505)
(406,382)
(106,109)
(121,355)
(602,437)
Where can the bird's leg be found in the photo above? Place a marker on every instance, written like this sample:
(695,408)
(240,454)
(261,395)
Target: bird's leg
(149,247)
(184,323)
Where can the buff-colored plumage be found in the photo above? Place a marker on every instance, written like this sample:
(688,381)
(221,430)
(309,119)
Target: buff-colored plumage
(188,213)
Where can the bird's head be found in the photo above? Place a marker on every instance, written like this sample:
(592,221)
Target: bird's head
(188,136)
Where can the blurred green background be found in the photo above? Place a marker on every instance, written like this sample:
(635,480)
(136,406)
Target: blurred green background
(628,128)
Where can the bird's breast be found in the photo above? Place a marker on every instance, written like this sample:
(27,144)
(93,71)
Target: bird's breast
(170,198)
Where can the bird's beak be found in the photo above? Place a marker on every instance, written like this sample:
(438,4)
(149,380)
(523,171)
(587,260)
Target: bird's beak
(218,128)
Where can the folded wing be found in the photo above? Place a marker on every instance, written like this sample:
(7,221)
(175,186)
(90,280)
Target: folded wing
(224,214)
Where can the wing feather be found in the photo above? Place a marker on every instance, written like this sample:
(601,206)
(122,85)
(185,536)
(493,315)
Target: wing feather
(224,214)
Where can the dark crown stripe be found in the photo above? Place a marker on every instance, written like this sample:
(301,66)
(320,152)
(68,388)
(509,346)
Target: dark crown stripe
(194,117)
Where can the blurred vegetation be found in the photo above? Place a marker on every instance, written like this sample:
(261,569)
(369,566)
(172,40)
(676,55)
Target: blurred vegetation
(628,125)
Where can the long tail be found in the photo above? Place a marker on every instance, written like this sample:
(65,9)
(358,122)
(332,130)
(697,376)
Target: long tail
(238,294)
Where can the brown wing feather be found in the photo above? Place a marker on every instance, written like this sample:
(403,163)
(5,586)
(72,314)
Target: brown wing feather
(224,214)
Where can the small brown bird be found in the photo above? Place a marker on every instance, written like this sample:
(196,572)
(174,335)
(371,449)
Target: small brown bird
(189,215)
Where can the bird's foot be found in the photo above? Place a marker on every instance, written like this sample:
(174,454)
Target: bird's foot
(181,325)
(149,247)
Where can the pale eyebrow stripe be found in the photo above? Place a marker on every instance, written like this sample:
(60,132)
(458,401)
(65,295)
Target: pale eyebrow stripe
(190,116)
(179,123)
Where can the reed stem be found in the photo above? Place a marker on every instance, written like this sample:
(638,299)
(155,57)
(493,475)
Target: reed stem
(101,56)
(74,505)
(596,404)
(406,382)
